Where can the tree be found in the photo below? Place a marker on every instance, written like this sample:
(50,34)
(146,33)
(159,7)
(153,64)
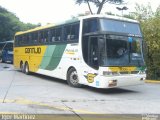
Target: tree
(143,12)
(10,24)
(150,22)
(99,3)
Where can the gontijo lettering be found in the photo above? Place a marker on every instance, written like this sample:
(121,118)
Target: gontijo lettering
(33,50)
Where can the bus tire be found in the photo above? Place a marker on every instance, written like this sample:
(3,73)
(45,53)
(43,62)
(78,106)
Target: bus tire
(26,69)
(72,78)
(21,67)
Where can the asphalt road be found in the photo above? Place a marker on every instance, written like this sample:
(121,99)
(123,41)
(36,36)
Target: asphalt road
(38,94)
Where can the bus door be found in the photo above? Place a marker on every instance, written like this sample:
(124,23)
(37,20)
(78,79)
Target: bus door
(93,51)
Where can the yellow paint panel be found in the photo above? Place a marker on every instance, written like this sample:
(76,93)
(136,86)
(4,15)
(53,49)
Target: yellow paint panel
(122,69)
(31,54)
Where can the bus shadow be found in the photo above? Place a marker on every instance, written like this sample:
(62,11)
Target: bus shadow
(110,90)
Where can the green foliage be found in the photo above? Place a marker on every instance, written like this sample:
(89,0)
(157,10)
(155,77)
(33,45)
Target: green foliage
(150,23)
(99,3)
(10,24)
(143,12)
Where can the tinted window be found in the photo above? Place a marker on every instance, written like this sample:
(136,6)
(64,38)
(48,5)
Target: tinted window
(74,32)
(67,32)
(52,38)
(34,37)
(58,34)
(90,25)
(25,39)
(120,26)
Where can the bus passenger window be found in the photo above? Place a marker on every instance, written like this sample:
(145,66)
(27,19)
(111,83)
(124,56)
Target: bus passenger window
(90,26)
(30,37)
(67,30)
(19,40)
(58,34)
(35,37)
(52,35)
(74,32)
(16,40)
(45,36)
(41,37)
(24,39)
(49,35)
(53,39)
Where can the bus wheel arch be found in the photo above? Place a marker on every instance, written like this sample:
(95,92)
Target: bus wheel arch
(72,77)
(26,68)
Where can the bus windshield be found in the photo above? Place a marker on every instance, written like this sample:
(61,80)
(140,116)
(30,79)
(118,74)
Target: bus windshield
(110,25)
(121,51)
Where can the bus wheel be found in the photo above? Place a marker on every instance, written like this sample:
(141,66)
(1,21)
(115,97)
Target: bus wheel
(72,78)
(21,67)
(26,69)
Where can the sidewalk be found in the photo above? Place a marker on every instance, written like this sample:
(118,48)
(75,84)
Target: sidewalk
(152,81)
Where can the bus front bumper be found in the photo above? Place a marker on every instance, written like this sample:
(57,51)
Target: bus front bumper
(119,81)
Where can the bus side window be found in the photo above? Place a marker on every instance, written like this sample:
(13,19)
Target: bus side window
(16,40)
(32,38)
(58,34)
(45,36)
(49,35)
(90,25)
(74,32)
(40,37)
(29,40)
(23,39)
(67,30)
(19,39)
(35,38)
(52,38)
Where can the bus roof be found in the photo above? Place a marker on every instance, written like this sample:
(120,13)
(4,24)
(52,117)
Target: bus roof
(47,26)
(76,20)
(109,17)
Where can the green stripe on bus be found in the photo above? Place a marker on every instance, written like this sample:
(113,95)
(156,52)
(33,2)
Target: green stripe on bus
(52,57)
(47,56)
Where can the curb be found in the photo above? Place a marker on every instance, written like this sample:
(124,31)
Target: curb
(152,81)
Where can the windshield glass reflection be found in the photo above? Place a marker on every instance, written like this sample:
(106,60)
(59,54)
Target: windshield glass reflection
(120,51)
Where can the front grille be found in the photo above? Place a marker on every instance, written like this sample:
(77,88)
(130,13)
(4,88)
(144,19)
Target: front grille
(134,72)
(124,72)
(127,72)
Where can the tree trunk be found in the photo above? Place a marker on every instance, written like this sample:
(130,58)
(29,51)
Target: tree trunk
(89,7)
(100,7)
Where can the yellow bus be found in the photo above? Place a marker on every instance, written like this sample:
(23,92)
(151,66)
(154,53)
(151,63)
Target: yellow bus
(99,50)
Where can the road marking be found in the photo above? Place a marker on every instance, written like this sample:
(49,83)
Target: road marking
(23,101)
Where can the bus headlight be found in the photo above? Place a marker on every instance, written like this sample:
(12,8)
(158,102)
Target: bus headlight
(112,83)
